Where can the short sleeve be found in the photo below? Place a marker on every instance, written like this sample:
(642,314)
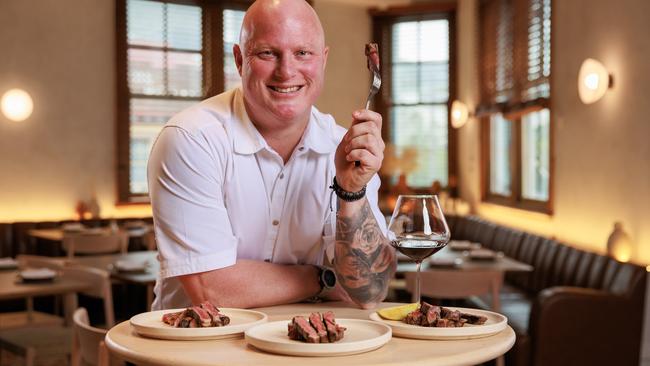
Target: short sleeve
(192,228)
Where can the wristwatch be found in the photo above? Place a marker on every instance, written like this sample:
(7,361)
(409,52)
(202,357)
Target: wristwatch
(327,282)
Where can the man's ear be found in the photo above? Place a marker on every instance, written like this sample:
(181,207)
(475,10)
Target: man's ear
(325,53)
(239,59)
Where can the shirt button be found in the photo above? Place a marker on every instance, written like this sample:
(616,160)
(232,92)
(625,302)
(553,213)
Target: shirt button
(301,148)
(275,222)
(281,175)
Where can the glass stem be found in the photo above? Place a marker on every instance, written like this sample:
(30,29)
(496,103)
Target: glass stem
(417,281)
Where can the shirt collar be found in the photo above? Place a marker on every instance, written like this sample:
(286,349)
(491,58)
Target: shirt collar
(318,136)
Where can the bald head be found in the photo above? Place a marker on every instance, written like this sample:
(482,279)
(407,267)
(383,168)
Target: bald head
(267,14)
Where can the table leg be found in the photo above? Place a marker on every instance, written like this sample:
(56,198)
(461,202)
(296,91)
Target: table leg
(30,309)
(497,282)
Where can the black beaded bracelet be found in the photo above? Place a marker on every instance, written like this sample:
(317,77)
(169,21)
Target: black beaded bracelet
(345,195)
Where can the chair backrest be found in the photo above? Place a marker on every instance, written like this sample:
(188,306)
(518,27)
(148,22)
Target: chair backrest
(39,261)
(88,342)
(101,287)
(82,243)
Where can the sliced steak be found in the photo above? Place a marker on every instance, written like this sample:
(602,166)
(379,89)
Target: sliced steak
(293,332)
(335,332)
(218,318)
(450,314)
(431,316)
(306,331)
(473,319)
(316,322)
(200,315)
(170,318)
(414,317)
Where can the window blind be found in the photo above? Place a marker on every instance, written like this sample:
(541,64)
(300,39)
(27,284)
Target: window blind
(515,56)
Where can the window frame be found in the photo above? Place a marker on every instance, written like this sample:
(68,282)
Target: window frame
(212,78)
(382,22)
(513,112)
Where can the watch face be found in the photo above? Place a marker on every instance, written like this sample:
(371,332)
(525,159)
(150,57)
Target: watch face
(329,278)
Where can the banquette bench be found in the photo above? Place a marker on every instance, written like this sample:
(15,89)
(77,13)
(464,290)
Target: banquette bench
(575,308)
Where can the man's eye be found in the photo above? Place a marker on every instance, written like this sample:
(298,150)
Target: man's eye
(303,53)
(266,53)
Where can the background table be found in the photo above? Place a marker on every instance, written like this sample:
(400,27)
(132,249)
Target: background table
(12,288)
(469,277)
(126,344)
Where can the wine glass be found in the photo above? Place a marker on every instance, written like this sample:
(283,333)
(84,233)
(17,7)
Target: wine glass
(418,229)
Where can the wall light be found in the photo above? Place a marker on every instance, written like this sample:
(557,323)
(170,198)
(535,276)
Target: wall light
(619,245)
(593,81)
(17,105)
(459,114)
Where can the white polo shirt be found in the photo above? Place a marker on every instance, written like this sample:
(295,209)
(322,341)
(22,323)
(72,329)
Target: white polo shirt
(219,192)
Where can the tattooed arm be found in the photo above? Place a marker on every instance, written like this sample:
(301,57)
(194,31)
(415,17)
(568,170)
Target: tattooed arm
(363,259)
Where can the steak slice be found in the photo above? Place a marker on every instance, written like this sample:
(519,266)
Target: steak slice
(431,316)
(200,315)
(414,317)
(473,319)
(316,322)
(218,318)
(450,314)
(293,332)
(335,332)
(306,331)
(170,318)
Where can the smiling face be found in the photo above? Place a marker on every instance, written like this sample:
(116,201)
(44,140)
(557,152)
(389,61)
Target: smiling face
(281,59)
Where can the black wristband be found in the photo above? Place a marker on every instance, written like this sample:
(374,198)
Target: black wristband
(345,195)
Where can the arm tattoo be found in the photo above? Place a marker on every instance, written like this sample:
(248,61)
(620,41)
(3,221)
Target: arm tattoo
(364,260)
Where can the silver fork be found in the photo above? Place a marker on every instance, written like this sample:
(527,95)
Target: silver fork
(376,84)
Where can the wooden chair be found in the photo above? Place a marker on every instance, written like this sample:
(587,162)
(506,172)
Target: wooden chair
(101,243)
(52,341)
(88,347)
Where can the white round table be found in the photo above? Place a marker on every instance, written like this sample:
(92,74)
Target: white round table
(124,343)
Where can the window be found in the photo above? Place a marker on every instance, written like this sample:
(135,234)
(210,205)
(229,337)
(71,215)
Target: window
(170,56)
(417,68)
(515,93)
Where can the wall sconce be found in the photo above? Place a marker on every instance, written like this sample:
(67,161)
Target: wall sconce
(17,105)
(593,81)
(459,114)
(619,245)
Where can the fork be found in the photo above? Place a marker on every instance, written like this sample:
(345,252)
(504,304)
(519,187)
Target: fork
(376,84)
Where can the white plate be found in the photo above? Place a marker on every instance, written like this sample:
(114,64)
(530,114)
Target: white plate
(494,324)
(130,266)
(8,263)
(150,324)
(360,336)
(37,274)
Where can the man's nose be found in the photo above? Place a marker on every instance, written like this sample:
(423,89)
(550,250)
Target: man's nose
(286,67)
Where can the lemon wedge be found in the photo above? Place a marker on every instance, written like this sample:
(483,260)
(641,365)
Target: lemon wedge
(398,312)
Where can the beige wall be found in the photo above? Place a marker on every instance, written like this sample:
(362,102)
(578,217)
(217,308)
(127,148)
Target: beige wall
(62,53)
(602,156)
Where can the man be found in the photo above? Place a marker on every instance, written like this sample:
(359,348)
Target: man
(239,184)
